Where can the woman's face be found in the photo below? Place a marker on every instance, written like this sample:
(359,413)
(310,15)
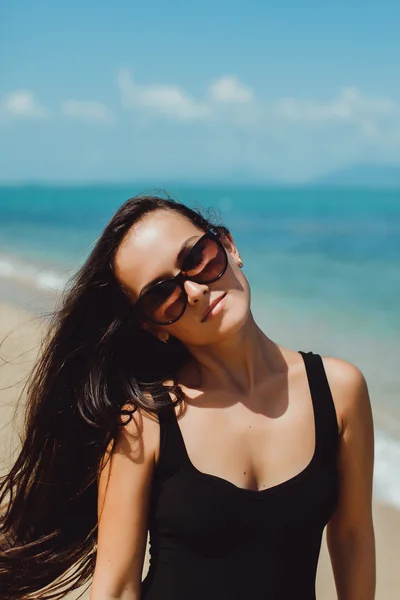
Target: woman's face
(149,252)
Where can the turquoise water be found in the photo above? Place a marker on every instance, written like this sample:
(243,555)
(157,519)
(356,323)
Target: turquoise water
(323,264)
(323,249)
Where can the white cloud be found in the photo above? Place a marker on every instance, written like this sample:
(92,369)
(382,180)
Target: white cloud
(173,102)
(308,137)
(292,139)
(22,103)
(355,126)
(350,105)
(229,89)
(86,109)
(232,130)
(167,100)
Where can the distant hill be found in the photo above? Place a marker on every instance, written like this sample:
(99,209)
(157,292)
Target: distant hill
(363,175)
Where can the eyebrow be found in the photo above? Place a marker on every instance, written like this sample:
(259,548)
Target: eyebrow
(179,259)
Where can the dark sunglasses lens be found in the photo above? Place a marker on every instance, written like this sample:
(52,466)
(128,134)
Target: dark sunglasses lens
(164,303)
(206,261)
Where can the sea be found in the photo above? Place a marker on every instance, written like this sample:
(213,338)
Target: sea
(323,265)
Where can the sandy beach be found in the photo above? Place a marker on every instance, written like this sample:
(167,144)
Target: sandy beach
(20,334)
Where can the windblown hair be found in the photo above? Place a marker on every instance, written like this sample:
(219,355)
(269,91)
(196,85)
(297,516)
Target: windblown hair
(95,360)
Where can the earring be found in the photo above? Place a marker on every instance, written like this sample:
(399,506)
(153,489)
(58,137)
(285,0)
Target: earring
(165,340)
(240,262)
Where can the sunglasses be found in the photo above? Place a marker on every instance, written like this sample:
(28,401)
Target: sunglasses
(165,301)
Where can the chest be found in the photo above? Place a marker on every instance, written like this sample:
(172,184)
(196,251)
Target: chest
(210,514)
(253,447)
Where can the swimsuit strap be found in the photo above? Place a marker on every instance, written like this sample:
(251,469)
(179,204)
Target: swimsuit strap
(326,426)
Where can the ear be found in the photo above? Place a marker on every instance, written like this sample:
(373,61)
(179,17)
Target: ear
(229,244)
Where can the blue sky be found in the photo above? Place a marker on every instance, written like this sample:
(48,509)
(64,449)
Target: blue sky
(94,91)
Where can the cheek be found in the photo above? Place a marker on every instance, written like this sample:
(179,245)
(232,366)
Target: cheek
(235,280)
(233,275)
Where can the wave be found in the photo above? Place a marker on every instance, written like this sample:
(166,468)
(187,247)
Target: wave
(33,274)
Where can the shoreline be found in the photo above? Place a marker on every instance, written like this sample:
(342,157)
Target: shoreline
(22,323)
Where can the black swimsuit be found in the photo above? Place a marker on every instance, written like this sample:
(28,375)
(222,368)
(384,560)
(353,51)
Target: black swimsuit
(212,540)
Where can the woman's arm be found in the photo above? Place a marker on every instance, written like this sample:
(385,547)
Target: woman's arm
(124,490)
(350,532)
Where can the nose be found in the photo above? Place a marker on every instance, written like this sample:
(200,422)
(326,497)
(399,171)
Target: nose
(194,290)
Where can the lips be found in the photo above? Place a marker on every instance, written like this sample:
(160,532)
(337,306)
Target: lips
(212,305)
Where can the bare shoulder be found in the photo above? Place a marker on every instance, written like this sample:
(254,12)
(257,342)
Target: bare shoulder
(349,389)
(137,443)
(141,433)
(137,438)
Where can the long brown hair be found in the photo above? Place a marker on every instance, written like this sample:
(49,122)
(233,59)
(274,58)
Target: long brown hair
(95,357)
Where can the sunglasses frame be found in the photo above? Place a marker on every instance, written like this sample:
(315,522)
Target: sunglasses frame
(180,278)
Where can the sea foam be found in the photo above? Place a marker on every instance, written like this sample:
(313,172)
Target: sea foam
(32,274)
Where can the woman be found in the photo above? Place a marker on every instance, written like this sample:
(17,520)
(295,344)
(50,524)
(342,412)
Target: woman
(159,404)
